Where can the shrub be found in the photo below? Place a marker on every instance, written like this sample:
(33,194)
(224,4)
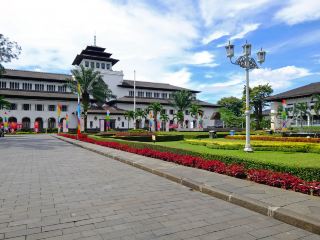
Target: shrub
(271,138)
(263,176)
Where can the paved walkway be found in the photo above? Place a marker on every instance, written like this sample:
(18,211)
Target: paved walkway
(50,189)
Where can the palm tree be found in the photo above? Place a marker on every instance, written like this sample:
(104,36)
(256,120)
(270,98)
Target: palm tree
(91,84)
(182,100)
(316,106)
(155,108)
(129,115)
(164,118)
(140,114)
(180,117)
(301,109)
(195,110)
(4,103)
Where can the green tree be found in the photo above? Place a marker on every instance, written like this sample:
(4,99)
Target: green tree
(129,115)
(316,106)
(233,104)
(91,84)
(8,50)
(302,110)
(258,101)
(195,110)
(156,108)
(230,119)
(180,117)
(164,118)
(4,103)
(182,101)
(140,114)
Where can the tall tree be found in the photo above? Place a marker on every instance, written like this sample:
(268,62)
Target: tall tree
(180,117)
(156,108)
(316,107)
(164,119)
(140,114)
(91,84)
(129,115)
(4,103)
(182,101)
(233,104)
(258,101)
(195,110)
(302,110)
(8,50)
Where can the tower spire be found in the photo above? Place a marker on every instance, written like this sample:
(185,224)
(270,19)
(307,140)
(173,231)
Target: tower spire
(95,40)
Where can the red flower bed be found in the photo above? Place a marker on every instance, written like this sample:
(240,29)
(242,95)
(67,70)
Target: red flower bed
(268,177)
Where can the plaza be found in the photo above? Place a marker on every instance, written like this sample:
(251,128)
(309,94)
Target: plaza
(51,189)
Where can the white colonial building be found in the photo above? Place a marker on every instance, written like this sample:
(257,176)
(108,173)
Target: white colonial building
(288,101)
(34,97)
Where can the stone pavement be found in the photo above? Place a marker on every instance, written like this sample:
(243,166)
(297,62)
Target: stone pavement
(53,190)
(291,207)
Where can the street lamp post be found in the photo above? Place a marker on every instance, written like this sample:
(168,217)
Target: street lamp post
(247,62)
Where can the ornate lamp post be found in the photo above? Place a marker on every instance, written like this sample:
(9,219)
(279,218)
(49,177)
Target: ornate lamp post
(247,62)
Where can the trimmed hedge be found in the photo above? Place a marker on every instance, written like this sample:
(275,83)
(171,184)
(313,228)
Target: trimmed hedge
(280,139)
(260,145)
(159,138)
(309,174)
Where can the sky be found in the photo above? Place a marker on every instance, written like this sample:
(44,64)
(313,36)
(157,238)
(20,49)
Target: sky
(180,42)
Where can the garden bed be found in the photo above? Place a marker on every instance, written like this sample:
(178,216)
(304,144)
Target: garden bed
(279,139)
(231,168)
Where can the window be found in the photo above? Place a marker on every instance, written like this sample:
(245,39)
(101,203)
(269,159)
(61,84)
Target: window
(122,124)
(164,95)
(163,111)
(39,107)
(103,65)
(140,94)
(14,85)
(26,107)
(108,66)
(170,95)
(171,111)
(156,95)
(51,108)
(131,93)
(51,88)
(13,106)
(64,108)
(91,124)
(39,87)
(92,64)
(149,94)
(86,64)
(187,112)
(27,86)
(97,65)
(3,85)
(62,88)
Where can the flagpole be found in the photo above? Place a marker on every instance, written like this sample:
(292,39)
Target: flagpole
(134,97)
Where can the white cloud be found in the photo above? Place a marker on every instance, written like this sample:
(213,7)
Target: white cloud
(204,58)
(214,36)
(298,11)
(280,79)
(51,33)
(180,78)
(245,30)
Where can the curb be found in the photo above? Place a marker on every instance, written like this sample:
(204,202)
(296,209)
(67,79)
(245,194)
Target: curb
(279,213)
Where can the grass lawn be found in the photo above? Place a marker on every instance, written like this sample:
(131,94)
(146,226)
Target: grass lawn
(290,159)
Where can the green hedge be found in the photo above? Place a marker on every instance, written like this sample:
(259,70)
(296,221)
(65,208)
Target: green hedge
(159,138)
(309,174)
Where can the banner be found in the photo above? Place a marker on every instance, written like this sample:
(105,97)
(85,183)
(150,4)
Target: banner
(108,120)
(36,126)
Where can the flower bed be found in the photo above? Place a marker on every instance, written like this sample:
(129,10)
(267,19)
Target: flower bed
(259,145)
(270,138)
(268,177)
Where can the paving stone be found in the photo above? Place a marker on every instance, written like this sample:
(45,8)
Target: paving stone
(53,190)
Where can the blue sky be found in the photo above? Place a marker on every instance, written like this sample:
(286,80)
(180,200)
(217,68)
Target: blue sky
(178,42)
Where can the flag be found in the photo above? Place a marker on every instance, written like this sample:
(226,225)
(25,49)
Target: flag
(67,121)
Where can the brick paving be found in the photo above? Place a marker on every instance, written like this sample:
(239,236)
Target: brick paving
(50,189)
